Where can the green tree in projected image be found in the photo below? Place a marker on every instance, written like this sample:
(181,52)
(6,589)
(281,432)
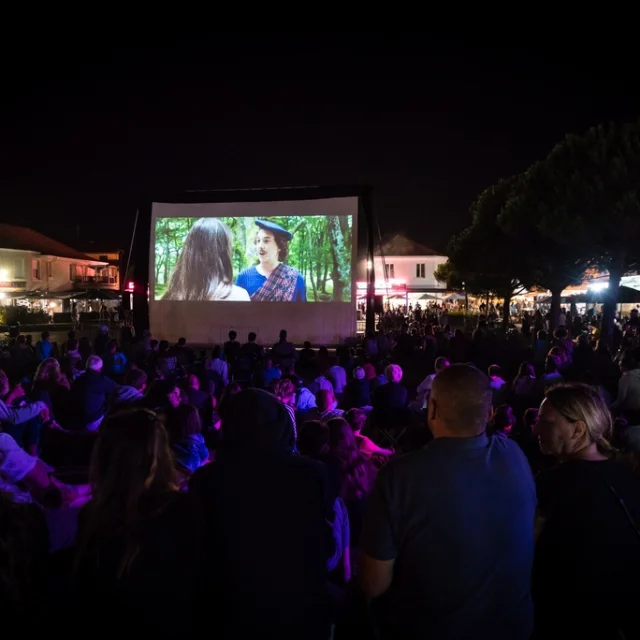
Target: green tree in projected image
(320,249)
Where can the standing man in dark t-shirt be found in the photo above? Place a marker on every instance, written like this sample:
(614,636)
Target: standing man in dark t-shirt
(448,532)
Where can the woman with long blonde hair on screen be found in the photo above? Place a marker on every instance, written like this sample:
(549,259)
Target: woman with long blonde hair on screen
(204,269)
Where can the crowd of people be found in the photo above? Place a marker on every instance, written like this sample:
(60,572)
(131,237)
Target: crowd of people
(425,483)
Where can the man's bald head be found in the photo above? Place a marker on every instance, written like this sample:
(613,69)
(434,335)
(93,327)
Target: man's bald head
(460,401)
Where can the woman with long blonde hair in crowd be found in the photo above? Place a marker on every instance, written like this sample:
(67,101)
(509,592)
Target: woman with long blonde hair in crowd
(588,526)
(137,539)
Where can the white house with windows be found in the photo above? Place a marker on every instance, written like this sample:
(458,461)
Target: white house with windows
(404,272)
(33,266)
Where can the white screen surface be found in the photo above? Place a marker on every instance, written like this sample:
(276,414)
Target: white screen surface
(253,266)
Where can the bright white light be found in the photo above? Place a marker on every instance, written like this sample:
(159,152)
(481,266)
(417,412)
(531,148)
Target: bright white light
(3,295)
(598,286)
(4,275)
(369,265)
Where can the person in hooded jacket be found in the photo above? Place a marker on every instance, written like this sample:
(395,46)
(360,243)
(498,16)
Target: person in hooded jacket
(266,513)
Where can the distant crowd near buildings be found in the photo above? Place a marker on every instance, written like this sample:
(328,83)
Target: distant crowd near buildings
(42,274)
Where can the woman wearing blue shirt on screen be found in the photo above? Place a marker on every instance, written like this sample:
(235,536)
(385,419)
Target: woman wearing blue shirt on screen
(271,280)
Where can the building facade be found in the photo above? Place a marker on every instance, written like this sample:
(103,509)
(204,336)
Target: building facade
(404,273)
(33,266)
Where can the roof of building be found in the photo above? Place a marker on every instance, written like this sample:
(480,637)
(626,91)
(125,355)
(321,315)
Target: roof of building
(400,245)
(23,239)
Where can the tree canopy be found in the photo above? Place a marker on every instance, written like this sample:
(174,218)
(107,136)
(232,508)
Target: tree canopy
(483,259)
(577,208)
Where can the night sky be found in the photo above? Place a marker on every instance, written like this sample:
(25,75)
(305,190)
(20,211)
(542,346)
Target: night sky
(89,133)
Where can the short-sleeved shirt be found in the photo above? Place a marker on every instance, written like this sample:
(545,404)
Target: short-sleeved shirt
(15,464)
(457,517)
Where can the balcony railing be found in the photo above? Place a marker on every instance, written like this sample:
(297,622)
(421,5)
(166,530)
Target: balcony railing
(94,280)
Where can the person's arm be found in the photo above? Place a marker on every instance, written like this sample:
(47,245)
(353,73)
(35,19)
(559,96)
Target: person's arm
(425,385)
(18,415)
(623,390)
(18,466)
(378,543)
(16,392)
(300,293)
(110,387)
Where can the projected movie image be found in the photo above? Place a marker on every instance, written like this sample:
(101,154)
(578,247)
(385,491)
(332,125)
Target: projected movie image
(250,259)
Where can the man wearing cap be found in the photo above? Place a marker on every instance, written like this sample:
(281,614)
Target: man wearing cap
(271,280)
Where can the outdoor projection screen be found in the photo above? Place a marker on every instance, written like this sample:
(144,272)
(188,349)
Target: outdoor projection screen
(253,266)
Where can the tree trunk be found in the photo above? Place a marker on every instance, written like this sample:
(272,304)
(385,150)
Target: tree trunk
(340,272)
(311,273)
(610,304)
(325,275)
(506,312)
(554,315)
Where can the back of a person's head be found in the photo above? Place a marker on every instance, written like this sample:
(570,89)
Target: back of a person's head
(526,369)
(393,373)
(357,474)
(628,362)
(255,420)
(232,335)
(284,389)
(215,352)
(341,439)
(137,439)
(552,363)
(94,363)
(460,401)
(183,421)
(358,373)
(560,333)
(313,439)
(49,370)
(136,378)
(357,418)
(182,342)
(252,336)
(441,364)
(494,370)
(324,399)
(503,417)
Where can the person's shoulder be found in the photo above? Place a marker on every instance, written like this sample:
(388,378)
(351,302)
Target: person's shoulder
(239,294)
(204,478)
(308,466)
(248,271)
(506,447)
(405,466)
(7,442)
